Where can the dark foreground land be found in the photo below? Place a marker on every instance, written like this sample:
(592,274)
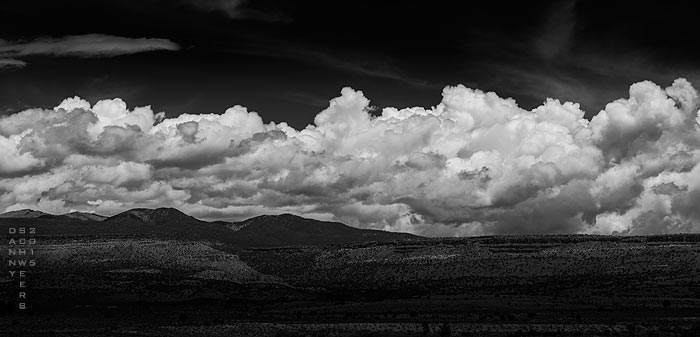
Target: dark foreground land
(576,285)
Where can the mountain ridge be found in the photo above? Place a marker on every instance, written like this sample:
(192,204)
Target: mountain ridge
(278,229)
(25,213)
(269,230)
(28,213)
(154,214)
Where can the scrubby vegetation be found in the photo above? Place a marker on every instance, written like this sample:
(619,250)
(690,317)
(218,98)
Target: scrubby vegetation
(570,285)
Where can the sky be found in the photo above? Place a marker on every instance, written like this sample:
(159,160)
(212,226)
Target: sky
(287,59)
(440,118)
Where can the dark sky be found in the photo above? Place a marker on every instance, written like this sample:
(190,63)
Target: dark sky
(286,59)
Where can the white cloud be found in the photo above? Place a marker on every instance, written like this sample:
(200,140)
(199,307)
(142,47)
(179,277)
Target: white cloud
(14,161)
(473,164)
(85,46)
(89,45)
(7,63)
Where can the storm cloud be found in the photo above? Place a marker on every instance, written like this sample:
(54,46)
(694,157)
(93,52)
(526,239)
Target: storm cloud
(473,164)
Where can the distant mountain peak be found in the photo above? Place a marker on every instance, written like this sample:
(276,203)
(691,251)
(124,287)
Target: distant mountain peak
(266,218)
(85,216)
(32,214)
(289,230)
(275,230)
(151,214)
(23,213)
(283,216)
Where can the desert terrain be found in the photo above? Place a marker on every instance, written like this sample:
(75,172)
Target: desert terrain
(145,283)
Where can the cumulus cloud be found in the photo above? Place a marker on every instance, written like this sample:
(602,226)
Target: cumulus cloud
(473,164)
(85,46)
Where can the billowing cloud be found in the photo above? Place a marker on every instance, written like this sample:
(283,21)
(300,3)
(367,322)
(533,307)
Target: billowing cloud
(85,46)
(473,164)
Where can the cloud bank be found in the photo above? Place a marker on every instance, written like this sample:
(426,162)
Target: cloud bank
(473,164)
(85,46)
